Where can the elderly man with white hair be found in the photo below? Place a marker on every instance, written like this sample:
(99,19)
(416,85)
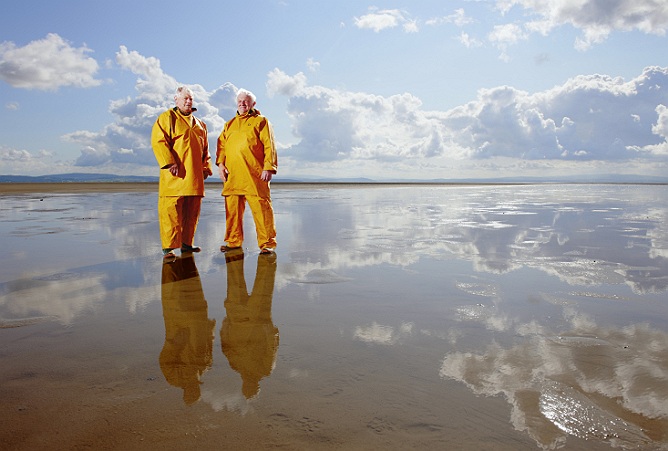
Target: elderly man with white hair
(179,141)
(247,160)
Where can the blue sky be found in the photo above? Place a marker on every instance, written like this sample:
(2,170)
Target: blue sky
(384,90)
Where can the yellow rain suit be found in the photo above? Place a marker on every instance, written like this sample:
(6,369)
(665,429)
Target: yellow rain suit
(182,140)
(246,148)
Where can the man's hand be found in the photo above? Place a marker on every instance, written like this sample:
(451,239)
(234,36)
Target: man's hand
(222,170)
(174,169)
(207,172)
(266,176)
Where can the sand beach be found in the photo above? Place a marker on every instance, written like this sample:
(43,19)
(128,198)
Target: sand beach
(468,317)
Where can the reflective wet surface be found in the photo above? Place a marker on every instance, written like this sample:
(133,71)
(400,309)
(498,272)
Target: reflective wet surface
(391,317)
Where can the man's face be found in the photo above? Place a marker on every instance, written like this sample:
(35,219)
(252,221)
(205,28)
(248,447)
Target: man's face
(244,104)
(184,102)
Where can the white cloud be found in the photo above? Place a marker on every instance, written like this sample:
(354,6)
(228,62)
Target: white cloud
(596,19)
(411,26)
(152,79)
(312,65)
(660,128)
(468,41)
(342,125)
(126,139)
(379,20)
(7,154)
(23,162)
(592,118)
(47,64)
(507,34)
(280,83)
(587,118)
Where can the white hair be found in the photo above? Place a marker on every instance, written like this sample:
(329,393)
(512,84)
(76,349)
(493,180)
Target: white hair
(182,91)
(245,92)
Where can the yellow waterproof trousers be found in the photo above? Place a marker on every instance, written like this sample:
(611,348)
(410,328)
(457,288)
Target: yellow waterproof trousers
(263,216)
(178,217)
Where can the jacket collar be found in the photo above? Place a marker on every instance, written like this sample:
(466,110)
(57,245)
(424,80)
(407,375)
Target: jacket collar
(177,110)
(251,112)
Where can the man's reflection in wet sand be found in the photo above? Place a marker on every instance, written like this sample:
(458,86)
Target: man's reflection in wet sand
(188,349)
(248,336)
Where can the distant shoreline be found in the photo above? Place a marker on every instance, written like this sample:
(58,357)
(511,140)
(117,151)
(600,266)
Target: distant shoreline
(76,187)
(143,187)
(94,187)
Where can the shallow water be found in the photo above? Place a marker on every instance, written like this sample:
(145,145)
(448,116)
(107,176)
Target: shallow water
(392,317)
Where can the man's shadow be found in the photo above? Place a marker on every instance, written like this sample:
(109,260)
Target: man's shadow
(188,349)
(248,337)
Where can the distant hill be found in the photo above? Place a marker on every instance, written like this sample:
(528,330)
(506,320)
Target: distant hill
(111,178)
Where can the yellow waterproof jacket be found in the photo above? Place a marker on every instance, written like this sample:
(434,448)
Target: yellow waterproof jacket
(246,148)
(181,139)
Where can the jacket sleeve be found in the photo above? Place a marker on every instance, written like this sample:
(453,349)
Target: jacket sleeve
(220,147)
(161,141)
(206,157)
(270,156)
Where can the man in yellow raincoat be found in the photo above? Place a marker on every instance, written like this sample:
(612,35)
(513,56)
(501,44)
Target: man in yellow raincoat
(180,144)
(246,159)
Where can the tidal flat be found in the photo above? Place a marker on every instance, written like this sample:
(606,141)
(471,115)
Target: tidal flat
(468,317)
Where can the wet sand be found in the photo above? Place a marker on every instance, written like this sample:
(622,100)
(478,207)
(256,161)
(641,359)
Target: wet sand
(392,317)
(75,187)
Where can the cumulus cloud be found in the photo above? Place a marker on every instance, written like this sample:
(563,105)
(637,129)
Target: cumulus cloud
(47,64)
(340,125)
(126,139)
(590,118)
(595,19)
(660,128)
(7,154)
(278,82)
(21,161)
(382,19)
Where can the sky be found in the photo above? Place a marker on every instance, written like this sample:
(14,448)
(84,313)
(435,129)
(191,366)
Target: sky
(413,90)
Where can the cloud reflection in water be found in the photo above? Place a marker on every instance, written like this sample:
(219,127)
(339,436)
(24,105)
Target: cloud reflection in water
(551,296)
